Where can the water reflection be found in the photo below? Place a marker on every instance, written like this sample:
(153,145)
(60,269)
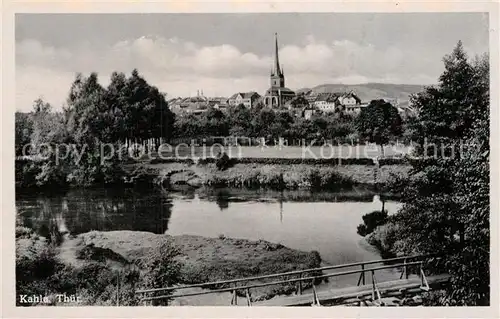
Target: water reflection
(222,199)
(82,210)
(79,211)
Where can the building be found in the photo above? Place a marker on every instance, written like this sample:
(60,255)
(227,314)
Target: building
(354,109)
(248,99)
(219,103)
(308,112)
(349,99)
(332,102)
(277,95)
(326,102)
(191,105)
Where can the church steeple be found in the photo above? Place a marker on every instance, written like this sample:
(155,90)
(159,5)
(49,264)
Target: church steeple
(276,69)
(277,78)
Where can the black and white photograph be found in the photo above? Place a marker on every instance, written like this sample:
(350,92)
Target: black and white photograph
(252,159)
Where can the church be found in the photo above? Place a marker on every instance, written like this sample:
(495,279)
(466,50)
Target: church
(277,95)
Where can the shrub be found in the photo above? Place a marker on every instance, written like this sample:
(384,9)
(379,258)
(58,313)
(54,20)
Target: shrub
(161,269)
(34,267)
(90,252)
(22,232)
(384,237)
(371,221)
(396,183)
(223,162)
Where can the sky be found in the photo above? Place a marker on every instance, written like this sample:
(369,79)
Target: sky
(222,54)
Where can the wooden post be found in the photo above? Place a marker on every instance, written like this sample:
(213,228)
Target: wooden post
(249,302)
(406,270)
(363,273)
(300,284)
(235,298)
(373,285)
(118,289)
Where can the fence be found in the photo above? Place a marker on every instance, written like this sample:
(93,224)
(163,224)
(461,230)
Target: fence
(302,276)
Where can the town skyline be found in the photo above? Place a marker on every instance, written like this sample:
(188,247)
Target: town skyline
(181,62)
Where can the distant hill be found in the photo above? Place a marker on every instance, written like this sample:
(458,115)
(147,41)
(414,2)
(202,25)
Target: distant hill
(370,91)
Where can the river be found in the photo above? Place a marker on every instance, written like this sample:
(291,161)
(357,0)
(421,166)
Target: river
(325,222)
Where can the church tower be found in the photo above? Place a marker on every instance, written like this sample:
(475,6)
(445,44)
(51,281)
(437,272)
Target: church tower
(277,76)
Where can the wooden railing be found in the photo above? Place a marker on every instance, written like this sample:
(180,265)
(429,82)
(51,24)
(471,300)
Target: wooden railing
(302,276)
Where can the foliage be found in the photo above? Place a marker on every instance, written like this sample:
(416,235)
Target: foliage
(23,130)
(379,122)
(95,120)
(280,177)
(40,272)
(299,101)
(240,121)
(371,221)
(267,123)
(385,238)
(161,269)
(446,202)
(223,162)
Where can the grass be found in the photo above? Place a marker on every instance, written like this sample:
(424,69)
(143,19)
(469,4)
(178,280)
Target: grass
(209,259)
(276,176)
(147,260)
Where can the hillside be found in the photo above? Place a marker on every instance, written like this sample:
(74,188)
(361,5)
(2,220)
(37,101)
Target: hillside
(370,91)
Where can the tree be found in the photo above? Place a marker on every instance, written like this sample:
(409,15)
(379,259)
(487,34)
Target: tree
(240,121)
(262,123)
(446,201)
(299,101)
(23,130)
(447,112)
(214,123)
(90,123)
(379,122)
(188,126)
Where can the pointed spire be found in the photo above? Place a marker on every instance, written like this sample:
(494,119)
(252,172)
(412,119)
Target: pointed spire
(276,70)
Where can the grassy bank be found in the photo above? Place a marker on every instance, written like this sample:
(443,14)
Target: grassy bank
(91,264)
(275,176)
(259,172)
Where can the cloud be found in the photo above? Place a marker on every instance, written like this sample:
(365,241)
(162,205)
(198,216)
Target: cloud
(180,67)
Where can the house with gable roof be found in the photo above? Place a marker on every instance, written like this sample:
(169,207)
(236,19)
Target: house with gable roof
(248,99)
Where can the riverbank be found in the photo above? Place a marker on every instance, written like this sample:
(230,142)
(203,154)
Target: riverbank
(273,176)
(332,174)
(101,256)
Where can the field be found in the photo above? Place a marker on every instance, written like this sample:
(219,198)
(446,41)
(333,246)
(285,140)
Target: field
(337,151)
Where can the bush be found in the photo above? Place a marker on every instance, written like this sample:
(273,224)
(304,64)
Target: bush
(161,269)
(34,267)
(384,238)
(223,162)
(23,232)
(396,183)
(97,284)
(90,252)
(371,221)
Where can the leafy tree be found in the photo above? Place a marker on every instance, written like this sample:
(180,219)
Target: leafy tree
(240,121)
(214,123)
(448,111)
(188,126)
(379,122)
(299,101)
(23,130)
(262,123)
(446,202)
